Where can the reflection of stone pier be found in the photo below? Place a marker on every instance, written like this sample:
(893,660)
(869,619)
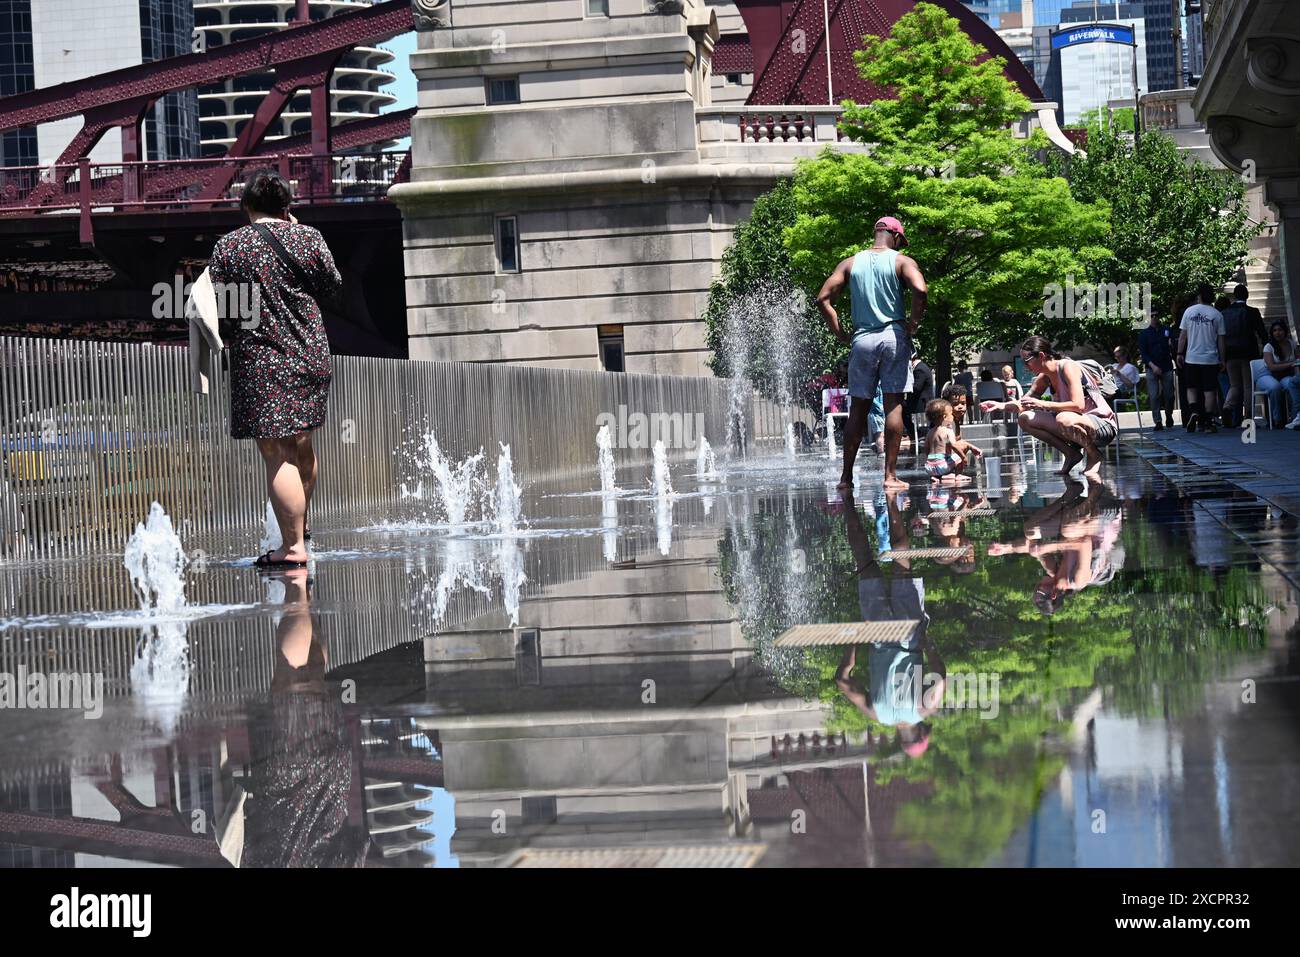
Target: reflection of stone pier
(639,712)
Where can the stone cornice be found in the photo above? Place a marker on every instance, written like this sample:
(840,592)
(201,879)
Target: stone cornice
(1246,144)
(552,55)
(432,192)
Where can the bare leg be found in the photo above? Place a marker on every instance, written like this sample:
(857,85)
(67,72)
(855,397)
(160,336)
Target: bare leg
(294,631)
(1076,428)
(893,438)
(853,430)
(1043,425)
(288,499)
(308,468)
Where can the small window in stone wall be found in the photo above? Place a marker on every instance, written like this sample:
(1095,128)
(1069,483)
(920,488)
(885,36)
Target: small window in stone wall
(528,657)
(507,243)
(611,348)
(597,8)
(502,89)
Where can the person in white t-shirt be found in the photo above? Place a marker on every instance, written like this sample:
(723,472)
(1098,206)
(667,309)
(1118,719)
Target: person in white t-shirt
(1125,372)
(1201,351)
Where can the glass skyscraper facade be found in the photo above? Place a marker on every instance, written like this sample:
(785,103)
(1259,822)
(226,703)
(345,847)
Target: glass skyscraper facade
(1158,21)
(17,147)
(165,29)
(172,126)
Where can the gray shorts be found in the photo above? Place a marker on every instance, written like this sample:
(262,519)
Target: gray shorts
(882,358)
(1103,430)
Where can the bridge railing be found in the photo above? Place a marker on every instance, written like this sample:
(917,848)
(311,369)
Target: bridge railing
(88,187)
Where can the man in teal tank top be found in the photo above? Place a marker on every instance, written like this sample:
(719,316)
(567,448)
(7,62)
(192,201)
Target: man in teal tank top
(881,353)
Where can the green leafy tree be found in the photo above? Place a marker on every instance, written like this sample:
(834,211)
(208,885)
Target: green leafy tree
(1155,637)
(1175,223)
(1121,119)
(990,225)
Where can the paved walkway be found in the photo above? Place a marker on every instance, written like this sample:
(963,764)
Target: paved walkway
(1268,468)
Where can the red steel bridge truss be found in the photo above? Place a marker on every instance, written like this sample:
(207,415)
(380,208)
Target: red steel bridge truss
(326,165)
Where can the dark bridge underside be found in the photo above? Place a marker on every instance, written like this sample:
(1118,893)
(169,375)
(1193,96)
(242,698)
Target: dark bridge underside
(143,249)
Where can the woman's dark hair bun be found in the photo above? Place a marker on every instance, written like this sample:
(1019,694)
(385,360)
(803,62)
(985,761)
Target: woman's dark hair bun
(266,191)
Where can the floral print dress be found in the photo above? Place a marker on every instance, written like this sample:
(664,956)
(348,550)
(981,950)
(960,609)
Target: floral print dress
(273,327)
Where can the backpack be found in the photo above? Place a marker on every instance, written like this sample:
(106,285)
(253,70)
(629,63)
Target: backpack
(1099,378)
(1237,332)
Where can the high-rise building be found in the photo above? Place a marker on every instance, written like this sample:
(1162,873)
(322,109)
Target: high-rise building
(1193,46)
(357,89)
(17,147)
(44,44)
(172,128)
(1158,30)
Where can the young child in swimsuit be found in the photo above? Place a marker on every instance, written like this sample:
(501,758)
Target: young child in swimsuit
(945,458)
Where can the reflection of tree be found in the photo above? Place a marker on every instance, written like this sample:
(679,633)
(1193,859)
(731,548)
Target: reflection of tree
(1162,622)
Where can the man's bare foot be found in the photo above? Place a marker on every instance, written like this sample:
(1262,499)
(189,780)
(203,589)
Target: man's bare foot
(1072,458)
(893,483)
(845,485)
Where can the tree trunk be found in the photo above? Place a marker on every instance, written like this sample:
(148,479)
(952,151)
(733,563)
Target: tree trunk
(942,353)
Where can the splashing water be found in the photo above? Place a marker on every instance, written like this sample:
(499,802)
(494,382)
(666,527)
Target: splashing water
(510,565)
(664,495)
(459,486)
(736,349)
(155,559)
(789,440)
(508,508)
(831,451)
(663,478)
(706,464)
(609,523)
(160,674)
(605,461)
(775,314)
(271,537)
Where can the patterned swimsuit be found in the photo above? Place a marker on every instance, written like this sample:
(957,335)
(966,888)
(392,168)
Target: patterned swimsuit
(279,353)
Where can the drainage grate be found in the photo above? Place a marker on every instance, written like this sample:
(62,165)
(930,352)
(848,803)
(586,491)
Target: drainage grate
(849,633)
(945,552)
(721,855)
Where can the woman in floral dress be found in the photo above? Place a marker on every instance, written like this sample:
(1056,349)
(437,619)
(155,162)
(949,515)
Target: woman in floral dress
(279,353)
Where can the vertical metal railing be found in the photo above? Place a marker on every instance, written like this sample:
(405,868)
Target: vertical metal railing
(92,432)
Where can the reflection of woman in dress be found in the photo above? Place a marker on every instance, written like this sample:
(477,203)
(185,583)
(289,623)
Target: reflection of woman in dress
(279,355)
(298,811)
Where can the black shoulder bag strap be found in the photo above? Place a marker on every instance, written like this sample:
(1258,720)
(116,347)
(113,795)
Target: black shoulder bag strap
(284,256)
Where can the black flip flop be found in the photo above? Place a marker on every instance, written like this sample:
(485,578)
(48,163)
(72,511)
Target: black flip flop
(265,561)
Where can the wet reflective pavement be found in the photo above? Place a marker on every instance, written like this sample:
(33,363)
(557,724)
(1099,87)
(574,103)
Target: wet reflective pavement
(1028,672)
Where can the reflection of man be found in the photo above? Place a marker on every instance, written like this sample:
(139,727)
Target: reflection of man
(898,695)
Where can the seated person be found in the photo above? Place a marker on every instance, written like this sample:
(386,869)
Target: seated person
(955,396)
(945,458)
(1125,372)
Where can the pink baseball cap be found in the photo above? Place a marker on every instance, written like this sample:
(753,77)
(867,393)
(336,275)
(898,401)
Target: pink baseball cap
(893,225)
(917,748)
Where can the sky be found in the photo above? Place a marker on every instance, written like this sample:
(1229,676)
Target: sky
(404,86)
